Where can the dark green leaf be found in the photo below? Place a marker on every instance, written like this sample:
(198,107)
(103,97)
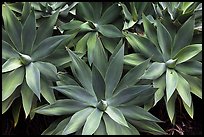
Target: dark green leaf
(47,46)
(28,33)
(12,26)
(150,30)
(109,31)
(98,83)
(83,72)
(46,28)
(164,39)
(184,35)
(137,72)
(114,72)
(110,14)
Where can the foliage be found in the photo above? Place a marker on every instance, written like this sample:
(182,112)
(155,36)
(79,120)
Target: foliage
(100,66)
(104,104)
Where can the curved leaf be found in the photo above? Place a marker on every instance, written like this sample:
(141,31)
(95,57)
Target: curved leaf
(148,126)
(92,122)
(8,51)
(114,72)
(116,115)
(11,64)
(189,110)
(106,17)
(187,53)
(195,84)
(81,44)
(133,59)
(77,120)
(25,12)
(66,80)
(184,35)
(16,111)
(159,83)
(11,82)
(154,71)
(170,106)
(29,33)
(12,26)
(101,130)
(46,28)
(100,57)
(171,82)
(110,31)
(184,90)
(91,44)
(61,107)
(149,29)
(47,69)
(33,79)
(72,25)
(127,94)
(144,46)
(98,83)
(46,91)
(164,39)
(8,102)
(85,10)
(47,46)
(190,68)
(133,75)
(137,113)
(77,93)
(27,98)
(6,38)
(83,72)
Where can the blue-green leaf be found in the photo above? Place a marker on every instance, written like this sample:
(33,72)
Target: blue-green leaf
(114,72)
(33,79)
(11,82)
(92,122)
(11,64)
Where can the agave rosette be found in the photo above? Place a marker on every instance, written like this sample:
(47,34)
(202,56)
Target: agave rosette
(176,64)
(105,22)
(99,102)
(24,71)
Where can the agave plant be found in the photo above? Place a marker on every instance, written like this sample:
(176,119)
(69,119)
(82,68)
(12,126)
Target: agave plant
(91,23)
(46,9)
(132,12)
(178,12)
(24,71)
(102,104)
(174,68)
